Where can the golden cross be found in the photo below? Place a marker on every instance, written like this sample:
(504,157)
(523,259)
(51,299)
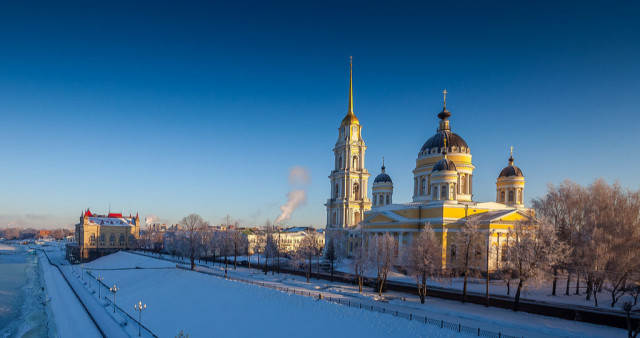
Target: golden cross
(511,151)
(445,96)
(350,59)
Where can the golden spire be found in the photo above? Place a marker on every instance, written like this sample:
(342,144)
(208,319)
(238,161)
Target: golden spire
(445,97)
(350,85)
(511,157)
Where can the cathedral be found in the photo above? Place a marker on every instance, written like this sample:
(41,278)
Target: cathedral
(442,192)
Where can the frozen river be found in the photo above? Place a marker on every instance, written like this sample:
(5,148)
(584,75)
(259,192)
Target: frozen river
(22,310)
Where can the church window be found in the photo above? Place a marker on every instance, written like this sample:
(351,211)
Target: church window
(340,166)
(423,190)
(357,218)
(519,195)
(356,191)
(387,202)
(375,199)
(443,192)
(355,163)
(434,191)
(336,191)
(502,196)
(463,184)
(510,196)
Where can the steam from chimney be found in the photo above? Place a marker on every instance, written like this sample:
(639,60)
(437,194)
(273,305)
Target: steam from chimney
(299,179)
(151,219)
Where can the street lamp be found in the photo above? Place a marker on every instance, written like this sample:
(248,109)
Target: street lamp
(114,289)
(99,279)
(139,307)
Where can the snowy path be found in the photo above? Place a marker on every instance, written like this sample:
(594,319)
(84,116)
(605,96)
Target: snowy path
(97,309)
(493,319)
(70,318)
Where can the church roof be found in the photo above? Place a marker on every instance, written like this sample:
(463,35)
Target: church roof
(444,165)
(383,177)
(437,141)
(511,170)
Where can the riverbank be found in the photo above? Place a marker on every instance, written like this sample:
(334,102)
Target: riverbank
(23,306)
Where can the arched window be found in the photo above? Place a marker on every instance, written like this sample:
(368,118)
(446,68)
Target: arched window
(102,239)
(335,218)
(112,239)
(121,239)
(387,200)
(356,191)
(463,184)
(355,163)
(520,196)
(357,218)
(92,238)
(375,200)
(502,196)
(510,196)
(423,190)
(336,191)
(434,192)
(443,192)
(340,166)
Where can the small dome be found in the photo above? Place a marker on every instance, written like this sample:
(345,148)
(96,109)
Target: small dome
(437,141)
(444,165)
(511,170)
(350,119)
(383,177)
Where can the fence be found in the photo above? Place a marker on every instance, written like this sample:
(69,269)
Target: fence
(350,303)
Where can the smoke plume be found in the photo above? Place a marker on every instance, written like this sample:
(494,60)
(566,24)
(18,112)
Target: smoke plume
(151,219)
(299,179)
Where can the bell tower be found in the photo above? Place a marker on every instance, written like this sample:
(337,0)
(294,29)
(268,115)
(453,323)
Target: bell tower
(348,200)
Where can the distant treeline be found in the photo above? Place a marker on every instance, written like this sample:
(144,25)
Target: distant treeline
(29,233)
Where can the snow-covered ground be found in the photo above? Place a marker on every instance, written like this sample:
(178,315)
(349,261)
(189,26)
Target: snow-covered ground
(493,319)
(205,306)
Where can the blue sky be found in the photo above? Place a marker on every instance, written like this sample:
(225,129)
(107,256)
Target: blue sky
(169,108)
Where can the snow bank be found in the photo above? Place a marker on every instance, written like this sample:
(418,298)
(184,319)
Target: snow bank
(124,260)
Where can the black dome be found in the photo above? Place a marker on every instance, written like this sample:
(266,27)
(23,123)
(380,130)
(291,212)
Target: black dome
(382,178)
(444,164)
(511,170)
(437,141)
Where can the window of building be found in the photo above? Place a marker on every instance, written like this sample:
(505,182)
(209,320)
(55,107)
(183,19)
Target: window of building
(92,238)
(387,199)
(102,239)
(520,196)
(112,239)
(510,195)
(502,196)
(434,192)
(443,192)
(336,192)
(356,190)
(423,190)
(121,239)
(355,163)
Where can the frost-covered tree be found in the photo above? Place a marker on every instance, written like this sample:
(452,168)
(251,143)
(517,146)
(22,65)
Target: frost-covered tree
(238,243)
(423,259)
(193,228)
(533,250)
(308,249)
(271,247)
(467,255)
(382,256)
(360,257)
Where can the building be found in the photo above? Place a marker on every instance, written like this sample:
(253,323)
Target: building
(349,178)
(442,192)
(99,235)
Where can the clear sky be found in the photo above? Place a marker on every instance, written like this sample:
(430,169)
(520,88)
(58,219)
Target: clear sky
(170,108)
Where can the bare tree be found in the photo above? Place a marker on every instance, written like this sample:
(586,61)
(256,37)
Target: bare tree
(309,247)
(194,226)
(467,252)
(360,252)
(534,249)
(237,243)
(271,247)
(631,331)
(423,259)
(382,255)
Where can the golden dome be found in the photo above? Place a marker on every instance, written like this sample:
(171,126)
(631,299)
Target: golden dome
(350,119)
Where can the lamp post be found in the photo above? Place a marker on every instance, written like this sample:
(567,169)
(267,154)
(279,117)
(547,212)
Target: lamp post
(139,307)
(114,289)
(99,279)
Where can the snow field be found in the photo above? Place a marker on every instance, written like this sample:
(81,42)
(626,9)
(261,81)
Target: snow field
(205,306)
